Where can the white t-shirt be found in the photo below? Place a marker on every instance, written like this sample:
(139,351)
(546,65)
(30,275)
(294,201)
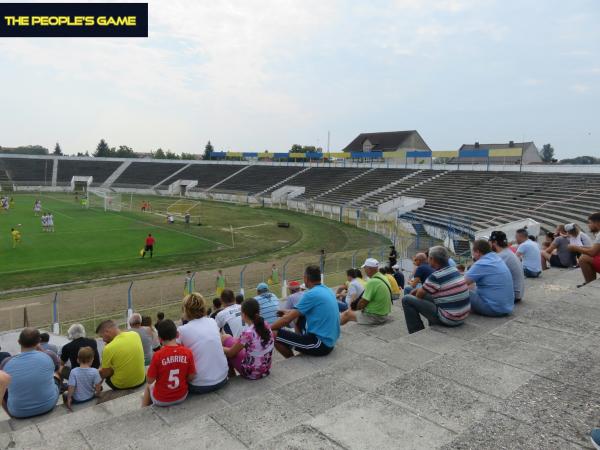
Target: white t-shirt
(230,320)
(354,290)
(202,337)
(531,256)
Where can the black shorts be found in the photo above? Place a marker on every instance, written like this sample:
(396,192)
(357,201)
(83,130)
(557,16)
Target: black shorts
(149,248)
(556,262)
(308,343)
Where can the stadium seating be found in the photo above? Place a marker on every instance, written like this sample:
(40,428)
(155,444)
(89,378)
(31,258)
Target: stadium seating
(29,171)
(257,178)
(98,169)
(206,174)
(318,180)
(146,173)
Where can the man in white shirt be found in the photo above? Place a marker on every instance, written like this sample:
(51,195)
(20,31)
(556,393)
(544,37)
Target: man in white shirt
(529,253)
(229,319)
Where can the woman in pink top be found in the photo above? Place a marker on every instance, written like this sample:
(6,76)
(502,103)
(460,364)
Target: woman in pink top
(251,354)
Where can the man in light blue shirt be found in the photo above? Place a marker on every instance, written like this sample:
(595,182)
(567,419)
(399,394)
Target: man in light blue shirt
(494,294)
(319,307)
(34,387)
(529,253)
(269,303)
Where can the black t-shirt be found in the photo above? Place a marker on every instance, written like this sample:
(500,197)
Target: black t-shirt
(70,350)
(3,356)
(399,276)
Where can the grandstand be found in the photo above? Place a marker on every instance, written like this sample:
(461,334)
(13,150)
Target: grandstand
(470,199)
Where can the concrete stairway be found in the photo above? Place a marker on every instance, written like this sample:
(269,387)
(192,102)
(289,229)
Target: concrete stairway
(383,188)
(281,183)
(116,174)
(227,178)
(341,185)
(527,381)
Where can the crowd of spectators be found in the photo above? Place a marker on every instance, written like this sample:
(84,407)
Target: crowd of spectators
(239,337)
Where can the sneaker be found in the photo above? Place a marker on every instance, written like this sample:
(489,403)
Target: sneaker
(595,437)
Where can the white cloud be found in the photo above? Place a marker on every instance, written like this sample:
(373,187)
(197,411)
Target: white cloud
(580,88)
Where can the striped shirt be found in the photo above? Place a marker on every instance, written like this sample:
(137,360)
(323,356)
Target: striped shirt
(450,293)
(269,305)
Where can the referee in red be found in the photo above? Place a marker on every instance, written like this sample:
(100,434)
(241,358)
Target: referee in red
(149,247)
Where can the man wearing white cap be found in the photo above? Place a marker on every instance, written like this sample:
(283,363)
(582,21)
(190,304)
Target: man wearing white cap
(376,302)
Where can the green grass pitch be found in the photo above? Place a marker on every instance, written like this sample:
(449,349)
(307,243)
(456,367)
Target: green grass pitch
(91,243)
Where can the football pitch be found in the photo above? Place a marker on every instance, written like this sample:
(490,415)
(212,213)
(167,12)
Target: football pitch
(90,243)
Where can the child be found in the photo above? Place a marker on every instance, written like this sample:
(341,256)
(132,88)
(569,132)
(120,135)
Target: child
(84,382)
(239,299)
(251,354)
(170,370)
(217,307)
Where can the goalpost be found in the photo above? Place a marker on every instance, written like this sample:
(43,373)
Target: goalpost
(185,206)
(109,201)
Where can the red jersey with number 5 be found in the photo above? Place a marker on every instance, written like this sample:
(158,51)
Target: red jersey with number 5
(171,366)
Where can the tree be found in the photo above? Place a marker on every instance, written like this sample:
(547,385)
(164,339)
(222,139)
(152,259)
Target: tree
(296,149)
(102,150)
(159,154)
(581,160)
(170,155)
(57,150)
(547,153)
(191,156)
(124,152)
(208,150)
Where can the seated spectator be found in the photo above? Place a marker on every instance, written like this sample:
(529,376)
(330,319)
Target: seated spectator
(388,272)
(548,239)
(171,369)
(84,382)
(135,322)
(70,351)
(269,303)
(3,355)
(589,262)
(229,319)
(442,300)
(252,353)
(217,307)
(493,292)
(421,271)
(239,299)
(355,287)
(398,275)
(375,304)
(46,345)
(4,382)
(122,357)
(290,303)
(460,268)
(159,317)
(35,386)
(201,335)
(147,325)
(529,253)
(558,253)
(576,236)
(319,307)
(499,244)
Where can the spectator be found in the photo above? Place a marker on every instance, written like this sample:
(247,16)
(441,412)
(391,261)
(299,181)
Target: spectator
(135,322)
(529,253)
(388,272)
(3,356)
(421,272)
(558,253)
(398,275)
(375,303)
(319,307)
(217,307)
(34,389)
(393,256)
(548,238)
(499,244)
(295,295)
(229,319)
(171,369)
(84,382)
(201,335)
(589,262)
(355,287)
(147,325)
(494,294)
(239,299)
(460,268)
(269,303)
(4,382)
(442,300)
(160,316)
(252,353)
(70,351)
(122,357)
(46,345)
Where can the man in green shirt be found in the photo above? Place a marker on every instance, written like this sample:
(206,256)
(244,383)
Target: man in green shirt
(375,303)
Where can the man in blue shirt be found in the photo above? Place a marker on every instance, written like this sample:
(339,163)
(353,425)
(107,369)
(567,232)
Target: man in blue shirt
(269,303)
(34,388)
(494,294)
(319,307)
(529,253)
(420,274)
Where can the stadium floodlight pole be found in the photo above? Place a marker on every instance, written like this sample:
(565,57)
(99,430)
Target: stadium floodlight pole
(129,304)
(55,326)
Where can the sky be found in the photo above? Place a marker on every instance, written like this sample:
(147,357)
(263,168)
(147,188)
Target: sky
(254,75)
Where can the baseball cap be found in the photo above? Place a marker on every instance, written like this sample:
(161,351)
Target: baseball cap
(395,266)
(262,287)
(294,285)
(371,262)
(569,226)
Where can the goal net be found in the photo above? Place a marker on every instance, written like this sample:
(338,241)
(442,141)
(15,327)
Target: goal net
(109,201)
(184,206)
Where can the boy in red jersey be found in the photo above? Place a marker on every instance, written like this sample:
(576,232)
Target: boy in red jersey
(170,370)
(149,247)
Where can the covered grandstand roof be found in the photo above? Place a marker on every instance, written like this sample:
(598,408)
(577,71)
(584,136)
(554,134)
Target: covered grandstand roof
(387,141)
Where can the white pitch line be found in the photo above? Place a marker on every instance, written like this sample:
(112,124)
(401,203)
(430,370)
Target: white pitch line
(9,308)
